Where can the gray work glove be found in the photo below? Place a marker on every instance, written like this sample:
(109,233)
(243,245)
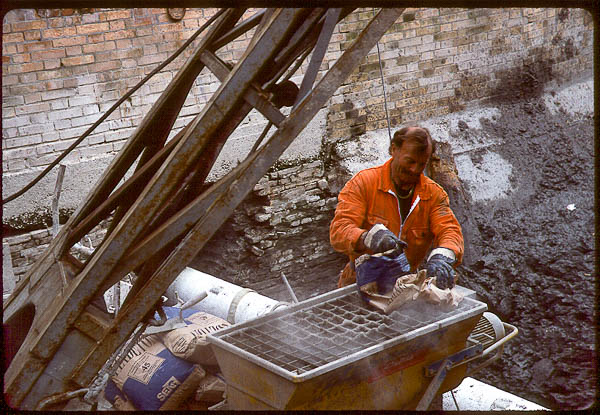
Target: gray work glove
(381,239)
(439,265)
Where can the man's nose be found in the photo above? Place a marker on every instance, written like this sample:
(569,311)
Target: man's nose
(416,169)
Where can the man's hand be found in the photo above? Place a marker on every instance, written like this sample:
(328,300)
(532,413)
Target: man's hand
(440,267)
(380,239)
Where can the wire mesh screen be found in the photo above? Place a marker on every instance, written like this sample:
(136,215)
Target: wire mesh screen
(309,337)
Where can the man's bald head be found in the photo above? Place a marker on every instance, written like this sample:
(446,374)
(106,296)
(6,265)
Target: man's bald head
(418,135)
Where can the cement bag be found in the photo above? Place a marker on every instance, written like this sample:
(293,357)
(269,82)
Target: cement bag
(152,378)
(448,298)
(117,398)
(409,288)
(190,342)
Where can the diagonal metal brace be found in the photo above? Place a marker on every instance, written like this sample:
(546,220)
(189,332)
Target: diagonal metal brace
(455,359)
(440,370)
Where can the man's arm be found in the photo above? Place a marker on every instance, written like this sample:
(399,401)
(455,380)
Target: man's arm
(448,242)
(345,232)
(445,228)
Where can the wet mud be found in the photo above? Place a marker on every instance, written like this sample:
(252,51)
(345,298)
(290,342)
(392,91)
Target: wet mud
(537,265)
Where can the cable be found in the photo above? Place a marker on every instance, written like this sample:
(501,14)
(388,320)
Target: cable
(115,106)
(387,116)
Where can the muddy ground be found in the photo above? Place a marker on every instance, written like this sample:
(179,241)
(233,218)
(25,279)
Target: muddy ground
(536,264)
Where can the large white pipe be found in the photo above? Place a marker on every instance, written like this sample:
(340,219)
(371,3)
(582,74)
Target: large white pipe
(228,301)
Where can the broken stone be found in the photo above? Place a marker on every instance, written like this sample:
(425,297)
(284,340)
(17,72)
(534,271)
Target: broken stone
(211,390)
(323,184)
(262,217)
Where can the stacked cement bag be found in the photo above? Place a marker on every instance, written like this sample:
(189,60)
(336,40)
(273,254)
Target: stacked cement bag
(164,370)
(190,342)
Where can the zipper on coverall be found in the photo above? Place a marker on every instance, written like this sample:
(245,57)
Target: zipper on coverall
(415,203)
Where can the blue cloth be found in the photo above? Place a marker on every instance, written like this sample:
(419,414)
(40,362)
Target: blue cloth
(384,269)
(173,312)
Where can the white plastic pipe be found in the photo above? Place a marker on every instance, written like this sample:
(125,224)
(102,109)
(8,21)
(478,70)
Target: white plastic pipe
(225,300)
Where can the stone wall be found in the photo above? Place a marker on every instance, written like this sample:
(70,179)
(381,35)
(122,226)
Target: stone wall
(62,69)
(281,228)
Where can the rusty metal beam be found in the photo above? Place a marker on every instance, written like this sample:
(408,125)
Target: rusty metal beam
(156,129)
(255,166)
(114,173)
(133,185)
(238,30)
(331,19)
(51,330)
(254,96)
(49,360)
(172,97)
(283,23)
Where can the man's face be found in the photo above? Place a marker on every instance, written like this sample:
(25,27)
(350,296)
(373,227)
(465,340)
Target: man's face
(408,162)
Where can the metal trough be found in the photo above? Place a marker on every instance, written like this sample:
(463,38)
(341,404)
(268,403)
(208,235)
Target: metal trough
(333,352)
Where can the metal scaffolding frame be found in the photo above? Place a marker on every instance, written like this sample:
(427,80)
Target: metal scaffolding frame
(164,213)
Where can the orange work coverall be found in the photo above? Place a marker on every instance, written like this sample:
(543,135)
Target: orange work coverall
(369,198)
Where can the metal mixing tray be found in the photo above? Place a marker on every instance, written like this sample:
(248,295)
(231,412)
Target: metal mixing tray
(333,330)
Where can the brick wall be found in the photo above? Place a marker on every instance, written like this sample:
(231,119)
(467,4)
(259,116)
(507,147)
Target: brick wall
(62,69)
(60,73)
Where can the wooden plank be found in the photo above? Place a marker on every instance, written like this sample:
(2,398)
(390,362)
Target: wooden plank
(86,284)
(173,97)
(257,165)
(254,96)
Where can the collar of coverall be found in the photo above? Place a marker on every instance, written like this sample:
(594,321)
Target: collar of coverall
(386,184)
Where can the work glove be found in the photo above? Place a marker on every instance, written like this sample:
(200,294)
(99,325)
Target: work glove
(381,239)
(439,265)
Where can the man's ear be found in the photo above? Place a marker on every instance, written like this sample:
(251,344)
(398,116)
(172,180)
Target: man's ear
(392,147)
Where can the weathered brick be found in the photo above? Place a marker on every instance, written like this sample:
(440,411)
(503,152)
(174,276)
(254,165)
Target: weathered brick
(65,114)
(59,32)
(11,48)
(78,60)
(118,14)
(98,47)
(32,35)
(92,28)
(74,50)
(119,34)
(23,26)
(48,54)
(69,41)
(57,93)
(25,67)
(51,64)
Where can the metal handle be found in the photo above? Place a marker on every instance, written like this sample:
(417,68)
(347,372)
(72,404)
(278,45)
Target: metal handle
(513,332)
(192,301)
(499,346)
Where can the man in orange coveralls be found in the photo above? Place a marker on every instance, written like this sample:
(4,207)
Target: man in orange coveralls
(393,206)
